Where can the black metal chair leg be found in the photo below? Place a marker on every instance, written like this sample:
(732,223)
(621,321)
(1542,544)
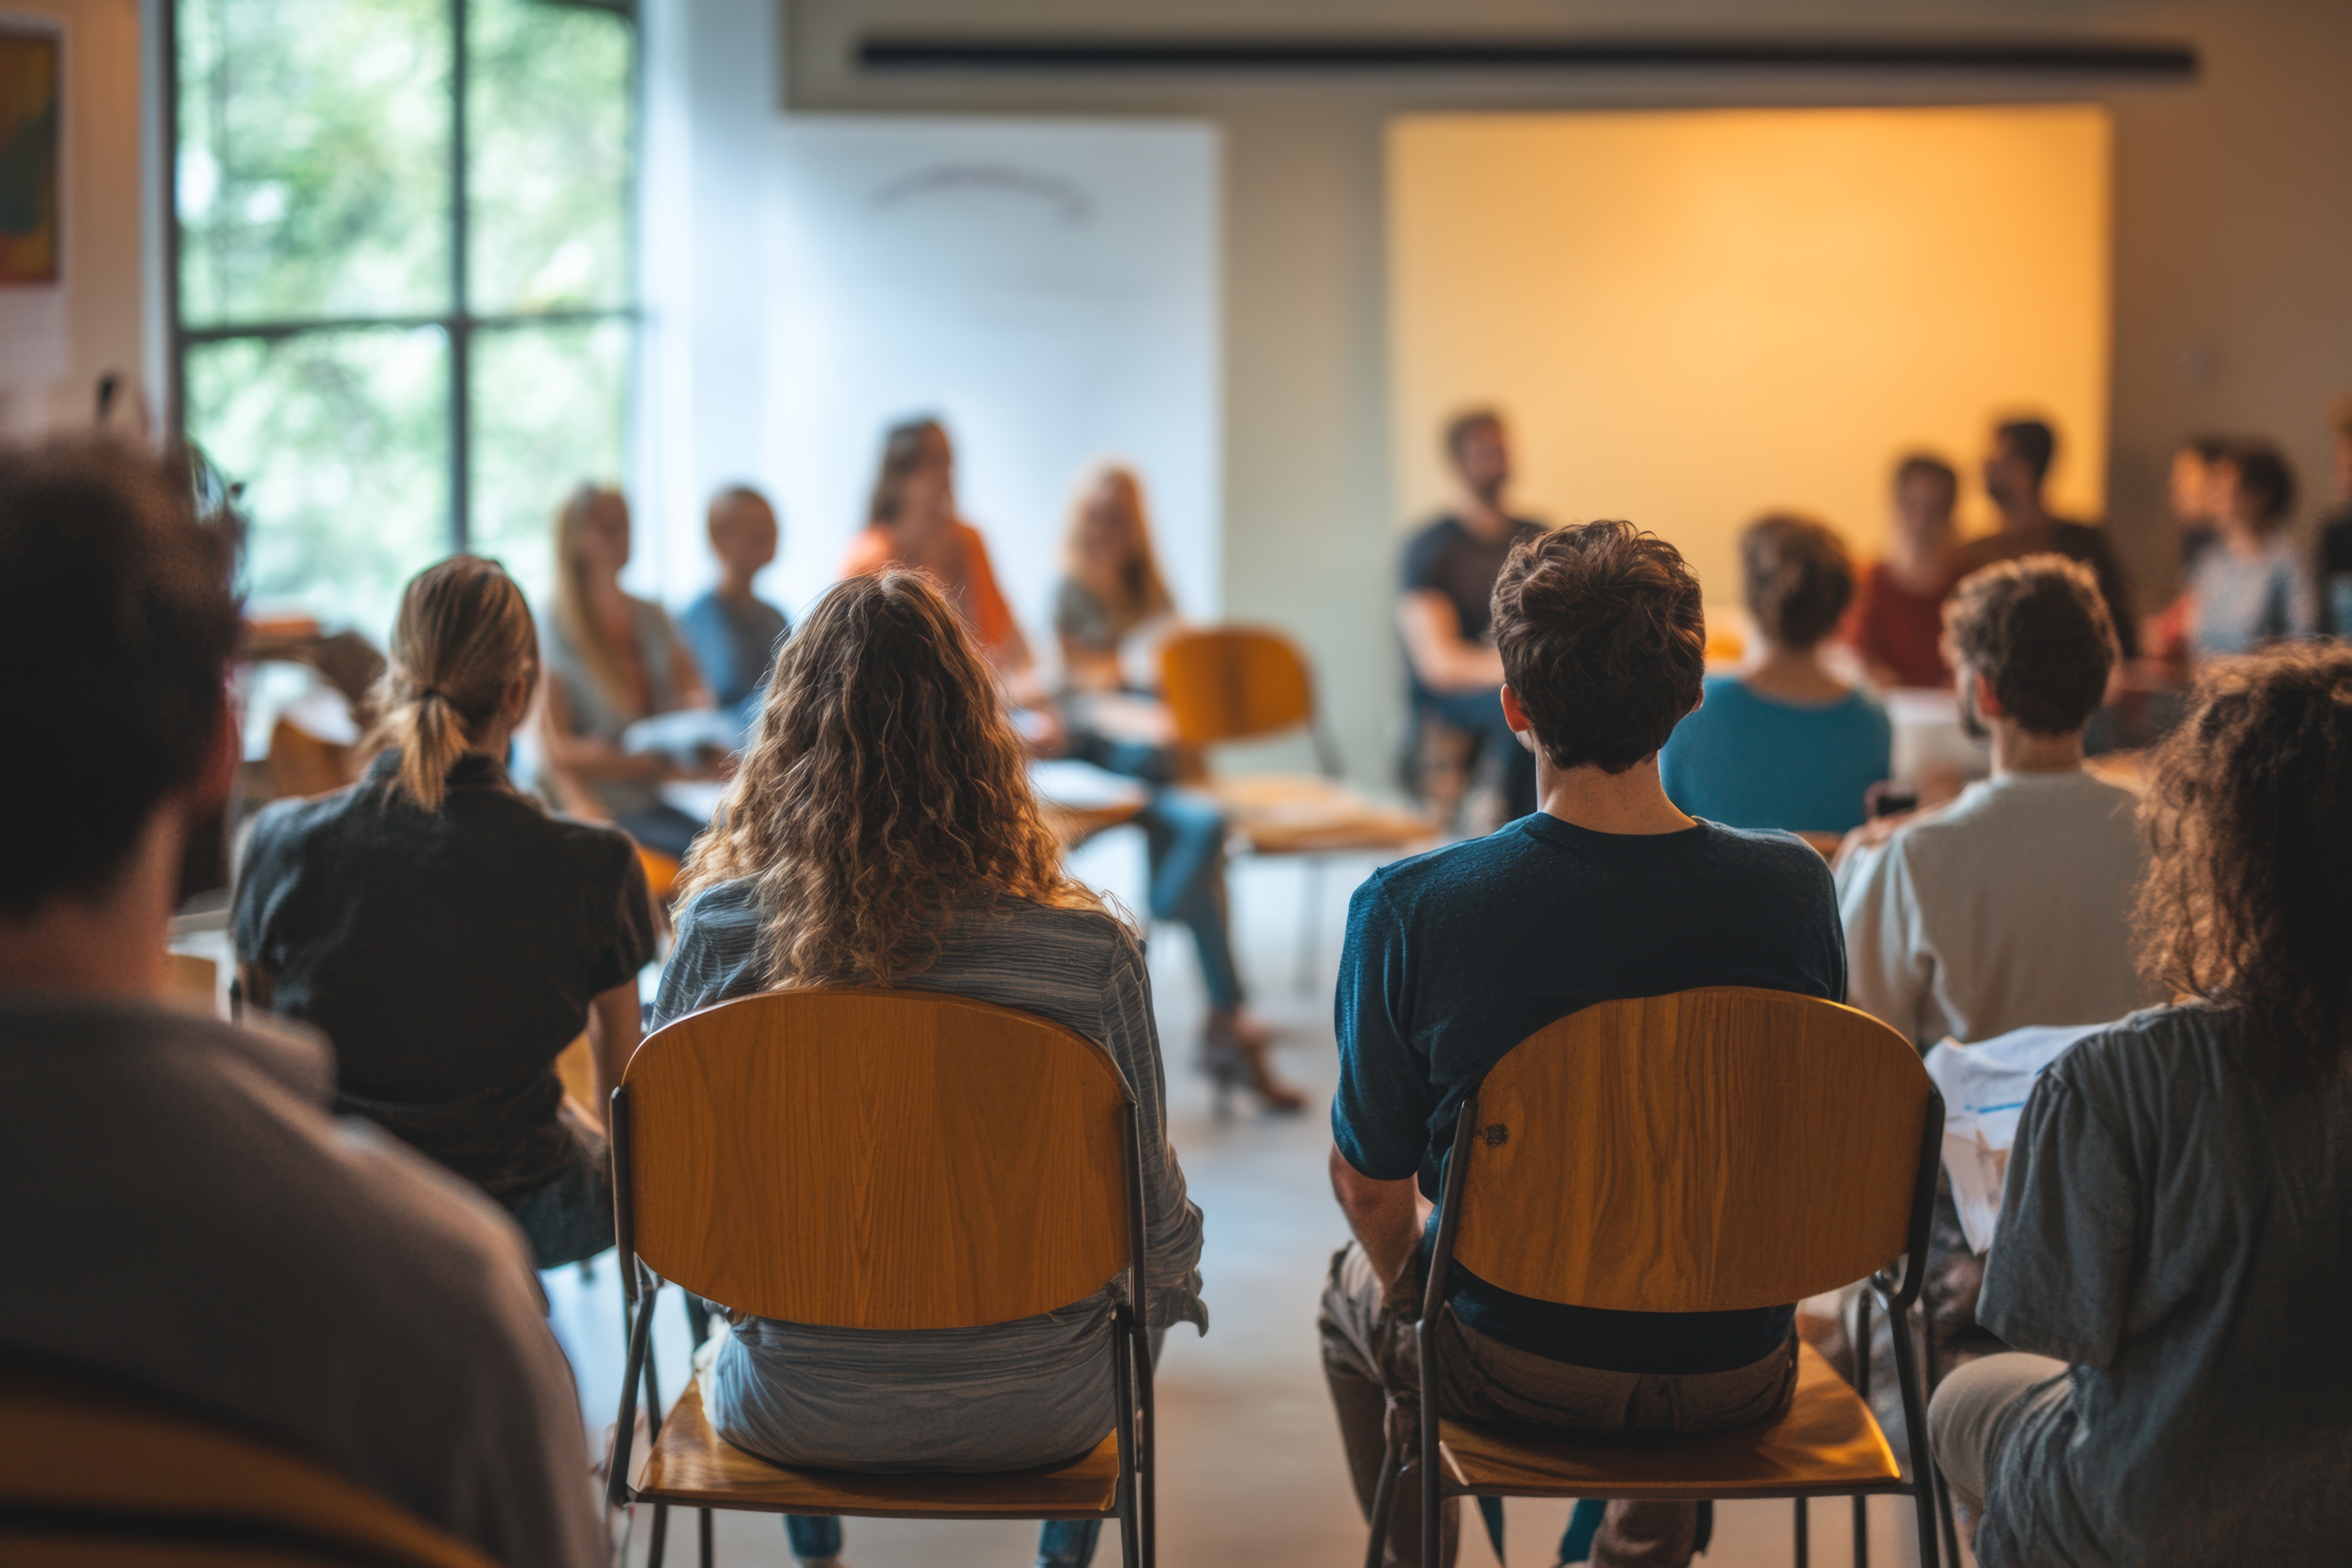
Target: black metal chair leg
(1861,1532)
(1804,1544)
(1384,1504)
(702,1544)
(659,1538)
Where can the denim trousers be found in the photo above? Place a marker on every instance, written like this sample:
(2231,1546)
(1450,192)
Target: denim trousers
(1481,713)
(1061,1542)
(569,1217)
(1185,836)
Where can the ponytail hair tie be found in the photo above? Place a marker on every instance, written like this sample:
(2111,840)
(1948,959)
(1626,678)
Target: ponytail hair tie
(435,691)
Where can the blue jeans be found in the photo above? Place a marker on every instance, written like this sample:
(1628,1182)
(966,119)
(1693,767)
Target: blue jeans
(1184,837)
(1481,713)
(1061,1542)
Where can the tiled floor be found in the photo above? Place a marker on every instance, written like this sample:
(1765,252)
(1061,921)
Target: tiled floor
(1250,1471)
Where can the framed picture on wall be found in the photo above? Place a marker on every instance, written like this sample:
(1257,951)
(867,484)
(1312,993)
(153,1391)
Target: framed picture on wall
(31,83)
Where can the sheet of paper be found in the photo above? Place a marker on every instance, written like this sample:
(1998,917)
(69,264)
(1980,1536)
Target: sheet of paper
(1985,1088)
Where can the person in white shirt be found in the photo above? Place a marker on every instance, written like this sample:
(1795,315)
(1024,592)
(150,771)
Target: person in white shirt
(2012,905)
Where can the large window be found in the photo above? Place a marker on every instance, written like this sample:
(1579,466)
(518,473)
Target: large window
(405,301)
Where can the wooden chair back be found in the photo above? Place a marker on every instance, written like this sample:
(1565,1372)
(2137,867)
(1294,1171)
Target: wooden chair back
(1702,1151)
(876,1158)
(1235,683)
(301,765)
(93,1473)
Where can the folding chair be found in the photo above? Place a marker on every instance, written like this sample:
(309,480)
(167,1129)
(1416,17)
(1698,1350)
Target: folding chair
(1247,683)
(93,1472)
(873,1158)
(1708,1151)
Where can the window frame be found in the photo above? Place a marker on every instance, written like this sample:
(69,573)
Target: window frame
(459,323)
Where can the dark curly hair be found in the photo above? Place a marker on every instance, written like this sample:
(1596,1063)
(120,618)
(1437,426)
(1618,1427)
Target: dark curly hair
(1603,641)
(2248,899)
(1799,578)
(2037,632)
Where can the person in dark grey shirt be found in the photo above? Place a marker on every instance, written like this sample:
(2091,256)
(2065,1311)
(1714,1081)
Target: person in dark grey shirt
(186,1218)
(2175,1246)
(450,937)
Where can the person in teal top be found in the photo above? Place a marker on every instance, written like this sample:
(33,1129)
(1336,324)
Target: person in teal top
(1787,744)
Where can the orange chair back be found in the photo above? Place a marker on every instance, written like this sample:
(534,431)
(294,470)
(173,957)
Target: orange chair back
(92,1474)
(877,1159)
(1702,1151)
(1235,683)
(302,764)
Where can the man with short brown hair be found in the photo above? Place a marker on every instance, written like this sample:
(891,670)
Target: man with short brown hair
(1455,956)
(2012,905)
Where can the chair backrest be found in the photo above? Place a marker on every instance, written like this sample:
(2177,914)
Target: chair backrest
(1701,1152)
(301,765)
(94,1473)
(1235,683)
(876,1158)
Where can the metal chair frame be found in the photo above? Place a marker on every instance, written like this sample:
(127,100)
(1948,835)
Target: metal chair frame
(1895,1296)
(1136,1504)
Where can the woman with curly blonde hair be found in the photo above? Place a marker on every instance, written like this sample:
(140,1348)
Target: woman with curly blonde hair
(2173,1255)
(882,831)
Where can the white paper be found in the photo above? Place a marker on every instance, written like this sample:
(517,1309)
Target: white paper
(1985,1088)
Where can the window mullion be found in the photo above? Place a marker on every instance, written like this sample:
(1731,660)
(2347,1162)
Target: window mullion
(460,323)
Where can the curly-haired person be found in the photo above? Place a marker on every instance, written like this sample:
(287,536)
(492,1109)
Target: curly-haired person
(2176,1234)
(1455,956)
(881,831)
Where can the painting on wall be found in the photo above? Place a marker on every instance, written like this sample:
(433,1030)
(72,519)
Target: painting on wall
(28,156)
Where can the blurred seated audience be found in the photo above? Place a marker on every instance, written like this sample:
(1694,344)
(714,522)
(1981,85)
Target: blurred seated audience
(2254,586)
(911,521)
(1455,956)
(2335,576)
(2016,467)
(1786,743)
(1896,625)
(2188,494)
(190,1220)
(2171,1263)
(449,936)
(1443,607)
(1110,612)
(611,660)
(733,633)
(935,873)
(2011,904)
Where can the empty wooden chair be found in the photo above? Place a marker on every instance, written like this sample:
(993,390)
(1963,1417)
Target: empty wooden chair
(94,1474)
(1246,683)
(879,1160)
(1709,1150)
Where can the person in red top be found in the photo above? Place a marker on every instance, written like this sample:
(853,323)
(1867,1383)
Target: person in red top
(911,522)
(1896,624)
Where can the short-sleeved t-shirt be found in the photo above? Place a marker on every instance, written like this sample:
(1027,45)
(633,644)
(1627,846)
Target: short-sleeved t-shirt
(1447,558)
(1746,760)
(978,598)
(1899,629)
(735,644)
(2081,542)
(2180,1233)
(448,956)
(1455,956)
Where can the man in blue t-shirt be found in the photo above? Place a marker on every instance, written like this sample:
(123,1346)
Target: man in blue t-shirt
(1455,956)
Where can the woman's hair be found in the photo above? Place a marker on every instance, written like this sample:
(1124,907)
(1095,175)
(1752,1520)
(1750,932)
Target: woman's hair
(2248,900)
(1130,589)
(2260,470)
(580,627)
(1798,578)
(463,634)
(904,449)
(884,791)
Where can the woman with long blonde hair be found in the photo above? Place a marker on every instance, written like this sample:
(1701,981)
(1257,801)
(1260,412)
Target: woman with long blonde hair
(612,659)
(1111,611)
(881,830)
(449,936)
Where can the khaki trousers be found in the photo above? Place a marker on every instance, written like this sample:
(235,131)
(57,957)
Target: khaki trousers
(1372,1361)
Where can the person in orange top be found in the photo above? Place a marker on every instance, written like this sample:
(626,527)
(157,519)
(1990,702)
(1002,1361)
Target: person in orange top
(911,522)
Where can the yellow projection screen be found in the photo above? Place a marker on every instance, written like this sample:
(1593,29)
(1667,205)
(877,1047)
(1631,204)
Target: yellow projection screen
(1692,317)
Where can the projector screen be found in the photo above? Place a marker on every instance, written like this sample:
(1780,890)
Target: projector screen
(1690,318)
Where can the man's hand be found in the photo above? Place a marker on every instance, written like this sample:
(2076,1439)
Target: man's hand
(1387,1216)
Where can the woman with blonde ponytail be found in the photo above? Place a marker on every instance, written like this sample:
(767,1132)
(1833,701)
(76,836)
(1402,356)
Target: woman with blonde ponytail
(448,936)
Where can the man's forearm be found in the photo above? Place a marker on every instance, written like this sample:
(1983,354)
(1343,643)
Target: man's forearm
(1384,1215)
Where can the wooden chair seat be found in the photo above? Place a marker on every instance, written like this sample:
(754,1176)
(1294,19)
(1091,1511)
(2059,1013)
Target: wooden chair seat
(1827,1440)
(1299,814)
(692,1465)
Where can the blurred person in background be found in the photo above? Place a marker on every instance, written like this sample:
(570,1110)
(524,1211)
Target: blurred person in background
(2336,533)
(733,633)
(2254,586)
(1896,625)
(2188,494)
(1111,611)
(449,936)
(2016,469)
(1785,744)
(911,521)
(1442,607)
(611,660)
